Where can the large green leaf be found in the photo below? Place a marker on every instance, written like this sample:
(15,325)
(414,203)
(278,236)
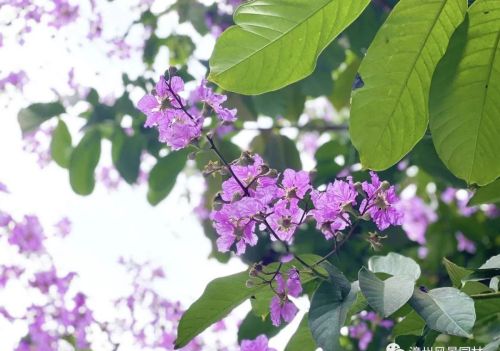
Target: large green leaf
(328,313)
(163,175)
(492,262)
(31,117)
(83,161)
(464,110)
(390,113)
(395,264)
(277,42)
(446,310)
(486,195)
(385,296)
(219,298)
(60,145)
(302,339)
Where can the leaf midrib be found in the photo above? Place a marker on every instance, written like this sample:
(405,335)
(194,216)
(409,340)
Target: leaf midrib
(404,86)
(328,2)
(481,118)
(447,314)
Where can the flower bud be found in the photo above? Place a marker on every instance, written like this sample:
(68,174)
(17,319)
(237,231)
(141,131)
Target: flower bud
(359,188)
(249,283)
(246,159)
(272,173)
(264,169)
(385,185)
(236,197)
(172,71)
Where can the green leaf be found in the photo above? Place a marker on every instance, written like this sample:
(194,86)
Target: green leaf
(464,113)
(253,326)
(278,150)
(493,345)
(344,79)
(412,324)
(455,272)
(327,314)
(83,161)
(424,156)
(60,145)
(397,72)
(447,310)
(385,296)
(220,297)
(277,42)
(287,103)
(492,262)
(395,265)
(482,274)
(260,302)
(488,194)
(31,117)
(126,151)
(180,48)
(302,339)
(164,174)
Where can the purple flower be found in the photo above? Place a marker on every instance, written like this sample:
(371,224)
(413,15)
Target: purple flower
(281,307)
(234,223)
(63,13)
(380,203)
(285,218)
(5,219)
(464,244)
(258,344)
(330,205)
(28,235)
(3,188)
(45,280)
(295,184)
(63,227)
(416,218)
(206,95)
(361,332)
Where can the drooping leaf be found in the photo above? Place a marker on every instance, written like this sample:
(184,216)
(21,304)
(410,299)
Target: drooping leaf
(220,297)
(397,72)
(60,145)
(464,112)
(126,151)
(83,161)
(447,310)
(31,117)
(385,296)
(488,194)
(455,272)
(302,339)
(327,314)
(163,175)
(395,264)
(277,42)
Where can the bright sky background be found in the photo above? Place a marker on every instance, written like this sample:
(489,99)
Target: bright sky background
(106,225)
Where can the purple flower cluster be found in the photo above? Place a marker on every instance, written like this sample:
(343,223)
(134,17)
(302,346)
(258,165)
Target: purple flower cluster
(255,195)
(28,235)
(380,203)
(258,344)
(363,329)
(281,307)
(464,244)
(178,124)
